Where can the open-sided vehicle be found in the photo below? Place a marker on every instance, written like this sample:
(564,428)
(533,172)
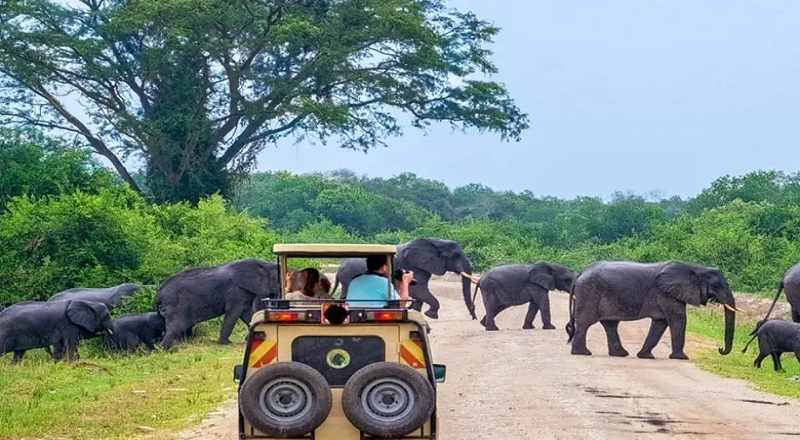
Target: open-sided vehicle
(323,370)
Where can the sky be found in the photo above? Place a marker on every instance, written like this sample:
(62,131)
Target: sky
(632,96)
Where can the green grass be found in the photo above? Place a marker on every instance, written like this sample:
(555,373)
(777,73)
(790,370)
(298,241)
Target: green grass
(113,396)
(708,327)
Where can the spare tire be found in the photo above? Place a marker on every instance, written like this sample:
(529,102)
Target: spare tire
(387,399)
(286,399)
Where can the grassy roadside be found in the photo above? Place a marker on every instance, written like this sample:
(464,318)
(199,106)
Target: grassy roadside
(117,396)
(706,329)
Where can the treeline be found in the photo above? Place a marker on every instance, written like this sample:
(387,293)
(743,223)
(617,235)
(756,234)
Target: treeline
(67,221)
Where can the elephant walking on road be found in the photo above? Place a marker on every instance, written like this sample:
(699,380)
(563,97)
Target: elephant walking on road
(614,291)
(425,257)
(233,289)
(516,284)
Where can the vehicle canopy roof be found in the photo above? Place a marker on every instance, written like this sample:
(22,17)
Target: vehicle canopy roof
(333,250)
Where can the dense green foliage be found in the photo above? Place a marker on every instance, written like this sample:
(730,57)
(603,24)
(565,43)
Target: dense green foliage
(66,223)
(198,88)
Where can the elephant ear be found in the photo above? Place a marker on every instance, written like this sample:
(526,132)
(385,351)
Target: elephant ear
(84,314)
(542,275)
(254,276)
(679,281)
(423,254)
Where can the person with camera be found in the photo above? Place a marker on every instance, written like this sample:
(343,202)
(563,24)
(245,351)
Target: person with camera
(369,289)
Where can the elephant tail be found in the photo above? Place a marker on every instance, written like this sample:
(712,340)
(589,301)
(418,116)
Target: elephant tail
(570,327)
(774,300)
(754,333)
(335,286)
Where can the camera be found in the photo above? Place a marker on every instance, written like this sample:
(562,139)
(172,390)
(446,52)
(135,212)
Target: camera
(398,275)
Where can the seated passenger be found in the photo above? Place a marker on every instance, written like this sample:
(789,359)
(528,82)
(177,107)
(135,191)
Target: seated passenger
(307,284)
(373,285)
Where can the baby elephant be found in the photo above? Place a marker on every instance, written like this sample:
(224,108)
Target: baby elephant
(775,337)
(134,329)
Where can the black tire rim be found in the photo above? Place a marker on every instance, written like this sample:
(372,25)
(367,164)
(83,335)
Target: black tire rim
(387,399)
(285,399)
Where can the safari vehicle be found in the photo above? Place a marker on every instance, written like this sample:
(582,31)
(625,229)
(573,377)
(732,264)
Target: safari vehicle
(321,369)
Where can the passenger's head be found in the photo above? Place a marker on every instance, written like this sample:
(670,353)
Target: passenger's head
(377,263)
(311,279)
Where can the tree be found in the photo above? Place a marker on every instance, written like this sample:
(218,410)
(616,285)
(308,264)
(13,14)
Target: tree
(35,165)
(197,89)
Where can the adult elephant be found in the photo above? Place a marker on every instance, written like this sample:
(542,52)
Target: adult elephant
(41,324)
(516,284)
(790,283)
(110,296)
(426,257)
(614,291)
(233,289)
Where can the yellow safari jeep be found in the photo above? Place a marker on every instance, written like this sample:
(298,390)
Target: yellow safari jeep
(322,369)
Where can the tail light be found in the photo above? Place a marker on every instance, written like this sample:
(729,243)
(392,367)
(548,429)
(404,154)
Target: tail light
(293,316)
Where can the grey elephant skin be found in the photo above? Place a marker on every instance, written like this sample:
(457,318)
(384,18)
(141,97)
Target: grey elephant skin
(790,283)
(775,337)
(614,291)
(134,329)
(110,296)
(515,284)
(233,289)
(426,257)
(61,324)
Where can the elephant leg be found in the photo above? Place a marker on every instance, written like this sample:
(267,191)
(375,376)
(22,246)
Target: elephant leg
(18,354)
(533,309)
(416,304)
(776,361)
(677,330)
(543,301)
(424,295)
(615,347)
(579,339)
(175,329)
(492,310)
(797,354)
(795,315)
(657,328)
(760,358)
(232,314)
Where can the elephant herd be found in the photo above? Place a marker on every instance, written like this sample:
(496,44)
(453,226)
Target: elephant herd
(607,292)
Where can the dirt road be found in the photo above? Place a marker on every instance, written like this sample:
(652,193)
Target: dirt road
(523,384)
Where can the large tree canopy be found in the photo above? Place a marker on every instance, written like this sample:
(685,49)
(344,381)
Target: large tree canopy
(197,88)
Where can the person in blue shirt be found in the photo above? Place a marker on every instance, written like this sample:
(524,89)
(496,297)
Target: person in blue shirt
(373,285)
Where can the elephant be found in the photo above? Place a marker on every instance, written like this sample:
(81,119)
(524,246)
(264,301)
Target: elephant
(234,289)
(110,296)
(775,337)
(790,283)
(61,324)
(425,257)
(134,329)
(516,284)
(614,291)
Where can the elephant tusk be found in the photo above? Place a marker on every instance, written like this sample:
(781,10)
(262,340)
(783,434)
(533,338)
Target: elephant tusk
(733,309)
(471,278)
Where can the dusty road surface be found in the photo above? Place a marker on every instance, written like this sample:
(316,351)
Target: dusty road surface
(519,384)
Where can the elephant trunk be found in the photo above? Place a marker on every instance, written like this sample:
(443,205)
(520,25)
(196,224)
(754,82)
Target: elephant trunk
(466,283)
(730,321)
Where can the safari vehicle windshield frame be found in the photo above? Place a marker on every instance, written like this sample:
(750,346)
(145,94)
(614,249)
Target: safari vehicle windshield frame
(284,252)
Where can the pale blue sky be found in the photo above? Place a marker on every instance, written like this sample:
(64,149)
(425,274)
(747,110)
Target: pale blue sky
(622,95)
